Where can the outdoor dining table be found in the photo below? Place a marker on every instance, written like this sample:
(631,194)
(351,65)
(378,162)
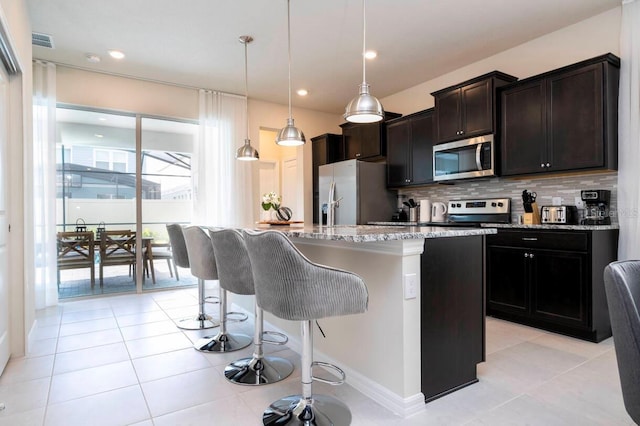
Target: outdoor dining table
(71,247)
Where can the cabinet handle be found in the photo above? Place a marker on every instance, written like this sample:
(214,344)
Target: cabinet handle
(358,155)
(526,255)
(541,164)
(529,239)
(531,255)
(548,165)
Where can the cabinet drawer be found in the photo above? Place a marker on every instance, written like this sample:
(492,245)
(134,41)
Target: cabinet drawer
(551,240)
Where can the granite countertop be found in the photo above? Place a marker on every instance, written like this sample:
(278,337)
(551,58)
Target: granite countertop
(517,226)
(373,233)
(554,226)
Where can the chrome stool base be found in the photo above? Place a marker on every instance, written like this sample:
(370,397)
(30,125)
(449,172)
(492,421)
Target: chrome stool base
(254,371)
(293,410)
(199,322)
(223,342)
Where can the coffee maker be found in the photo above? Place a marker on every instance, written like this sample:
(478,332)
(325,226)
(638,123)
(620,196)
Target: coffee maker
(596,203)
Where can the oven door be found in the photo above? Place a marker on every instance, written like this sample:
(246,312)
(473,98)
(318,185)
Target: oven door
(469,158)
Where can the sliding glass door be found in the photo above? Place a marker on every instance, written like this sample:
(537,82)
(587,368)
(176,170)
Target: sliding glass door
(167,147)
(127,175)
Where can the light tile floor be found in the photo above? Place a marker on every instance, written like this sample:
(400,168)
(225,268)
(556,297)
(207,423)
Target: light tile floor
(120,360)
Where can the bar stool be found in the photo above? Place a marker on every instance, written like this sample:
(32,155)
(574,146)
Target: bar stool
(202,257)
(234,271)
(186,252)
(293,288)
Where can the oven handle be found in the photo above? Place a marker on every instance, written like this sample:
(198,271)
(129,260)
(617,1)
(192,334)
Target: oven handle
(478,159)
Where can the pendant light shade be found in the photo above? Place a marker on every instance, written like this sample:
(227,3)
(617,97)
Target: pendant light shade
(364,108)
(290,135)
(246,152)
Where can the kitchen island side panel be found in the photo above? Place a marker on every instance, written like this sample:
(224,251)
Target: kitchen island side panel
(382,344)
(452,313)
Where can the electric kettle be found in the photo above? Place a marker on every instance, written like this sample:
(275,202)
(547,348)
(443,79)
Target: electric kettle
(425,211)
(438,212)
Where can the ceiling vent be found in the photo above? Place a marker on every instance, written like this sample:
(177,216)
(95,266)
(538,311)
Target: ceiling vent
(43,40)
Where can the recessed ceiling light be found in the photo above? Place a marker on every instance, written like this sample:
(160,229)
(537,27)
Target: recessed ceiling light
(116,54)
(97,135)
(302,92)
(370,54)
(94,59)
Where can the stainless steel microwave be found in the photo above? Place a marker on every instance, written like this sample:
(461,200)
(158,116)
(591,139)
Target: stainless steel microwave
(464,159)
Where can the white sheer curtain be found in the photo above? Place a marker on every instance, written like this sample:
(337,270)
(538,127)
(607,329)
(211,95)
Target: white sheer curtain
(43,184)
(629,133)
(222,185)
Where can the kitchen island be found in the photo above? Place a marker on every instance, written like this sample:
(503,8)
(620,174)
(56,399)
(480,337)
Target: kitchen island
(423,332)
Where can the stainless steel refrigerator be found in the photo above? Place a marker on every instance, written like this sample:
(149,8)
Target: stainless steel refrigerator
(360,192)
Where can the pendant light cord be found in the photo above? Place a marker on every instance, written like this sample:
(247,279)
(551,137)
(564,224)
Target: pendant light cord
(289,38)
(364,32)
(246,87)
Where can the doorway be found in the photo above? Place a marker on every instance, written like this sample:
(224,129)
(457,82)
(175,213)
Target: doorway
(278,173)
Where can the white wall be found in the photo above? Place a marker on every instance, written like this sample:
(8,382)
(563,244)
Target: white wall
(79,87)
(586,39)
(14,17)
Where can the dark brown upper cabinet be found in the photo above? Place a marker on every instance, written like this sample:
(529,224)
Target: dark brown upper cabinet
(409,150)
(366,141)
(468,109)
(563,120)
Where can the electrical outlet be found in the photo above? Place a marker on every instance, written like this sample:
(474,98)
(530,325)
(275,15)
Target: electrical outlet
(579,202)
(410,286)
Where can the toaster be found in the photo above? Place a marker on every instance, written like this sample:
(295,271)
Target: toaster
(566,215)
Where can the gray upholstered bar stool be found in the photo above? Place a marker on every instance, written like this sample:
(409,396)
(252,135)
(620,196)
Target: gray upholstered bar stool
(182,257)
(234,271)
(293,288)
(203,265)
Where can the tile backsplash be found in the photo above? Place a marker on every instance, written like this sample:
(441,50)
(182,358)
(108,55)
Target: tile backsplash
(567,188)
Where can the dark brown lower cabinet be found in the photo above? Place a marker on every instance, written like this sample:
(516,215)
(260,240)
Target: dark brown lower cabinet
(551,279)
(451,313)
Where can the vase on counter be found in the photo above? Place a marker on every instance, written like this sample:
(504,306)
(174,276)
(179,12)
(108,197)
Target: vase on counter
(284,214)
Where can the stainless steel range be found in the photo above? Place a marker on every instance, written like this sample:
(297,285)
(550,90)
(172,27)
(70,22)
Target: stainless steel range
(478,211)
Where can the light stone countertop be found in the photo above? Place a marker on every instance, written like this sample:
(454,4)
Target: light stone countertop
(373,233)
(554,226)
(518,226)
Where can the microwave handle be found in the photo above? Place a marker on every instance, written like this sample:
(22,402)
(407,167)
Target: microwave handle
(478,157)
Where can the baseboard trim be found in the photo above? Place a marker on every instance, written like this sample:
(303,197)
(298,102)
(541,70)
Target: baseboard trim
(30,337)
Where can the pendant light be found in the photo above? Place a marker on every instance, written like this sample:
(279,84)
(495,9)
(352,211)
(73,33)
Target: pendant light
(290,135)
(364,108)
(246,152)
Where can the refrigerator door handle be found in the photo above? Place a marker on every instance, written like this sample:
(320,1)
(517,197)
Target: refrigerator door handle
(331,204)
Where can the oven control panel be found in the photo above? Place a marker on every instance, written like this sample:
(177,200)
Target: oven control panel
(480,206)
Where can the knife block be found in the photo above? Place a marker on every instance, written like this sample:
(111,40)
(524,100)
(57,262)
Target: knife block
(532,218)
